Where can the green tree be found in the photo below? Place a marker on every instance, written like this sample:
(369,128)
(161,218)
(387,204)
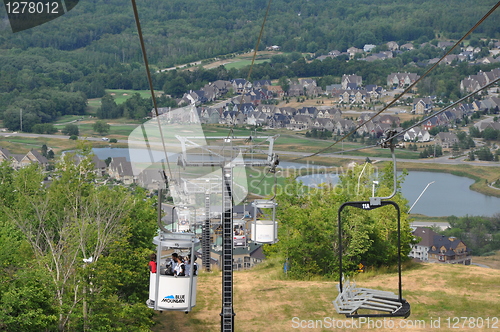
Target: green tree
(284,82)
(311,248)
(59,226)
(175,87)
(71,129)
(101,127)
(484,153)
(108,109)
(471,156)
(44,150)
(490,133)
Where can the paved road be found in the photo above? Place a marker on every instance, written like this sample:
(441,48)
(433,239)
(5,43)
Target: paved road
(441,160)
(6,135)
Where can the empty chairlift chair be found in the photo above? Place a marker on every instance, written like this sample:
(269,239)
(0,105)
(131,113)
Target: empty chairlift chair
(364,302)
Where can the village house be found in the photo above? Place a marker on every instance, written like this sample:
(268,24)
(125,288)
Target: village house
(401,80)
(261,83)
(392,46)
(323,124)
(100,167)
(416,134)
(276,90)
(279,121)
(436,248)
(343,126)
(446,139)
(431,123)
(222,87)
(243,257)
(19,160)
(300,122)
(121,170)
(346,79)
(407,47)
(352,51)
(240,85)
(422,105)
(257,119)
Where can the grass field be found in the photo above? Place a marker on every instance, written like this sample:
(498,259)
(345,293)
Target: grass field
(67,118)
(119,95)
(21,145)
(264,300)
(243,63)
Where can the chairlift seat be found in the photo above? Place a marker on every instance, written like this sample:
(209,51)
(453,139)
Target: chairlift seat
(264,204)
(352,299)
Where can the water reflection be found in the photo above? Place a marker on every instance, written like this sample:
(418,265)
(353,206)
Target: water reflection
(448,195)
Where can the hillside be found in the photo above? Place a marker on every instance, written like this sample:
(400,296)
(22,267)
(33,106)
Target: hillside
(264,301)
(182,31)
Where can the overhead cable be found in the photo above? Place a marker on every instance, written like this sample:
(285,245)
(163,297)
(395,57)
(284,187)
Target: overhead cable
(408,88)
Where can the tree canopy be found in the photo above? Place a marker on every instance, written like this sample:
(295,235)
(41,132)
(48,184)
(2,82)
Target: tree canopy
(46,232)
(308,225)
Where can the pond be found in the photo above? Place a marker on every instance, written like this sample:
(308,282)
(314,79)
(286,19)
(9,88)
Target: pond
(447,195)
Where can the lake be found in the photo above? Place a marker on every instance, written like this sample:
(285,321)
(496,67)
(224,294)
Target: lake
(448,195)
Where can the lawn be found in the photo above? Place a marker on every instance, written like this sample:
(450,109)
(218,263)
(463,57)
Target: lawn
(119,131)
(265,300)
(121,96)
(63,120)
(21,145)
(243,63)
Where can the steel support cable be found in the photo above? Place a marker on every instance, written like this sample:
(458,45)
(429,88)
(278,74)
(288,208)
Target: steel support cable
(408,88)
(251,68)
(150,81)
(441,111)
(422,121)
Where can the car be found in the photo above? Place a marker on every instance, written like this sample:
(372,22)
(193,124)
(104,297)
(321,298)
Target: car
(239,241)
(105,139)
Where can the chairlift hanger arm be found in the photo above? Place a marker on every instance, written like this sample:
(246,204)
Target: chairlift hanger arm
(391,134)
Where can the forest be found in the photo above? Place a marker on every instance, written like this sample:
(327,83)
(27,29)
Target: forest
(481,233)
(73,254)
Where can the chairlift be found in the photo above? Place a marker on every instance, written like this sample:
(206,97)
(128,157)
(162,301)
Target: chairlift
(352,299)
(239,234)
(264,230)
(168,292)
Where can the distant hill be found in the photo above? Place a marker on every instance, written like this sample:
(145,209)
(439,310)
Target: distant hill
(264,301)
(181,31)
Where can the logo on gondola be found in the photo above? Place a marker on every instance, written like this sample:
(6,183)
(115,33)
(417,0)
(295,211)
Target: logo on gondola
(174,299)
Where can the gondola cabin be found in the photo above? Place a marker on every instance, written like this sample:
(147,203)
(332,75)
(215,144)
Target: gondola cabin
(239,234)
(264,230)
(166,290)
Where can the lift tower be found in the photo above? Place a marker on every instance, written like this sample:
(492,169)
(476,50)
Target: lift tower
(227,164)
